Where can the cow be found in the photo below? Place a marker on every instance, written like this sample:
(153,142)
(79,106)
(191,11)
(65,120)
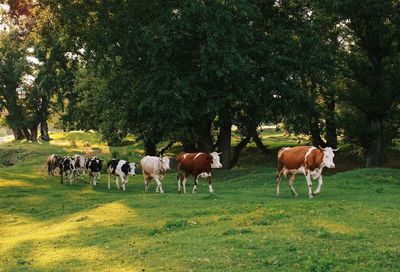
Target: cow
(52,164)
(197,165)
(80,163)
(67,168)
(122,169)
(154,167)
(93,166)
(307,160)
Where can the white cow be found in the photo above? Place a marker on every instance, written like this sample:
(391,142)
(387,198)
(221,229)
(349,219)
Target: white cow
(122,169)
(154,168)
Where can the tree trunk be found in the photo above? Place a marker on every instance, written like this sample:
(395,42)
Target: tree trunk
(43,114)
(316,134)
(150,148)
(260,145)
(224,140)
(44,131)
(375,150)
(18,135)
(238,150)
(206,141)
(242,144)
(26,133)
(330,120)
(34,132)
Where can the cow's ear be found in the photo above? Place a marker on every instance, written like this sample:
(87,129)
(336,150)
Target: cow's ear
(219,153)
(334,150)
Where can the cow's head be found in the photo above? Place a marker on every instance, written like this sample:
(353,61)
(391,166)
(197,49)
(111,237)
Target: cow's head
(215,160)
(328,156)
(57,158)
(132,166)
(165,163)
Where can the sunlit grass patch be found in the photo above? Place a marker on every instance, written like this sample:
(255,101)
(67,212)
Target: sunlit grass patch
(243,226)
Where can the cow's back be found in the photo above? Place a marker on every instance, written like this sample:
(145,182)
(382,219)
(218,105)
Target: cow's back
(195,163)
(150,165)
(292,158)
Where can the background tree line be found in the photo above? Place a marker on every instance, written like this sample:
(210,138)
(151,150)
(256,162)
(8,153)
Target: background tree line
(190,71)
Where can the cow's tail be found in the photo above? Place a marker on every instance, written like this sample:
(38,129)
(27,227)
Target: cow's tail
(280,164)
(279,169)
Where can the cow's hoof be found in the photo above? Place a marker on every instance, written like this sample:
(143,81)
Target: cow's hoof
(311,196)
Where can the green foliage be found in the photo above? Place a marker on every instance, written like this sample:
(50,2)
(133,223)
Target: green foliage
(13,68)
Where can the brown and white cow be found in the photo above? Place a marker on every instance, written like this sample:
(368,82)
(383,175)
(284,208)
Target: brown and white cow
(154,167)
(52,163)
(197,165)
(307,160)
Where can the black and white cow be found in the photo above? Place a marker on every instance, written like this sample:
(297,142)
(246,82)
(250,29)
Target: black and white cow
(80,163)
(93,166)
(67,168)
(122,169)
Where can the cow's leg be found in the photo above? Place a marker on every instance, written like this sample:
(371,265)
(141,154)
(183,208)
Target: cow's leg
(195,184)
(209,184)
(309,184)
(117,182)
(61,175)
(94,179)
(320,181)
(71,177)
(184,183)
(109,181)
(159,185)
(179,182)
(291,183)
(146,184)
(124,181)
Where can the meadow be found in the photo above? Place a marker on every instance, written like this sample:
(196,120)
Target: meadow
(353,225)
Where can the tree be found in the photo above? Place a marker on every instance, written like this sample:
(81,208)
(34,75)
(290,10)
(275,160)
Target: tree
(13,67)
(311,50)
(371,44)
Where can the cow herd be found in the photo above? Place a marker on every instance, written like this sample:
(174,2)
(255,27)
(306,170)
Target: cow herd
(73,168)
(291,161)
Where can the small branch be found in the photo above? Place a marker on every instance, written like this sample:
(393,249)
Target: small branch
(164,149)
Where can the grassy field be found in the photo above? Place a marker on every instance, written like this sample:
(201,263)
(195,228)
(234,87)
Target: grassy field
(353,225)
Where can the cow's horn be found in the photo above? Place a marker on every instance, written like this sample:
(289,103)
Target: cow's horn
(336,149)
(219,153)
(320,147)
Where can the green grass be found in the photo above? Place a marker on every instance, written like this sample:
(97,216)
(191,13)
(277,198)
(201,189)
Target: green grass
(353,225)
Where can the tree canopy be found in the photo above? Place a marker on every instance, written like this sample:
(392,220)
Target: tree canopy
(191,71)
